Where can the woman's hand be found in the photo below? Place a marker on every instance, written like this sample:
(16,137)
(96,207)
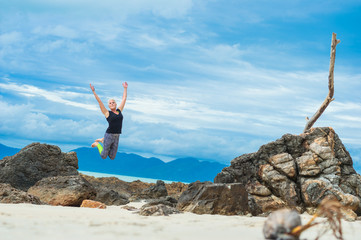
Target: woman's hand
(92,87)
(125,84)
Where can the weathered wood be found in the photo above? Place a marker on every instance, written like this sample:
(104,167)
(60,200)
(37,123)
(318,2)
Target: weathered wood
(329,97)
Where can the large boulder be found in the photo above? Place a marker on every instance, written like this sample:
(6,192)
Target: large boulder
(209,198)
(297,171)
(9,194)
(63,190)
(34,162)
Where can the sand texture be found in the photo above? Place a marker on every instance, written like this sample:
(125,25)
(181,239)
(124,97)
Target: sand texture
(27,221)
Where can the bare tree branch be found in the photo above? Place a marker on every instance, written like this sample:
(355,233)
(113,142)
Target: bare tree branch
(329,97)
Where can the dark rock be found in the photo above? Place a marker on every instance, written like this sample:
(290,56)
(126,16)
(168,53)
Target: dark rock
(131,191)
(63,190)
(191,193)
(157,210)
(242,169)
(175,189)
(137,187)
(168,201)
(34,162)
(9,194)
(263,205)
(280,184)
(110,197)
(209,198)
(154,192)
(113,191)
(297,171)
(115,184)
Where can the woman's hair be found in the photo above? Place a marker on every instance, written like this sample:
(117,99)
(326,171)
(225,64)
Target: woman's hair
(112,99)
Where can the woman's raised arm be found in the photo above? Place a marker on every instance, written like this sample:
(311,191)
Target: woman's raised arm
(124,99)
(101,105)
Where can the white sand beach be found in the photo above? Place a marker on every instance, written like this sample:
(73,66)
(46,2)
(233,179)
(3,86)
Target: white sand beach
(26,221)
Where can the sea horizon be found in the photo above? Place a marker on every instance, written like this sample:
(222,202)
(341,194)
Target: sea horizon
(126,178)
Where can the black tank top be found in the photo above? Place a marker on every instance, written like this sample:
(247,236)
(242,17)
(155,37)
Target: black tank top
(115,122)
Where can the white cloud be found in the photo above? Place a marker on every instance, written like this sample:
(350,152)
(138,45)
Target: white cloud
(354,142)
(105,31)
(38,126)
(54,96)
(10,38)
(336,106)
(50,46)
(57,31)
(222,53)
(162,8)
(187,113)
(198,82)
(148,41)
(349,119)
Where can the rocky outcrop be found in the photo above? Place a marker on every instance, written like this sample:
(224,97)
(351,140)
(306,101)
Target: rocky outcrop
(297,171)
(112,183)
(209,198)
(136,187)
(113,191)
(9,194)
(34,162)
(111,197)
(63,190)
(154,192)
(175,189)
(53,176)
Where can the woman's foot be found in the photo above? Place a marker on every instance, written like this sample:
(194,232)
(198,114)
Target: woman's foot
(99,140)
(95,144)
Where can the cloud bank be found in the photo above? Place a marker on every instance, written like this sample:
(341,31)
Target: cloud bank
(208,79)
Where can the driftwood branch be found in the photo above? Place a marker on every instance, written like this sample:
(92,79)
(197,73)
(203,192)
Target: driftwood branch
(329,97)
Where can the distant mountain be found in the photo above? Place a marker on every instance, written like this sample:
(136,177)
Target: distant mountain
(183,169)
(7,151)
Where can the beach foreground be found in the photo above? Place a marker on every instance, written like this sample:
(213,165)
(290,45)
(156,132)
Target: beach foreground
(26,221)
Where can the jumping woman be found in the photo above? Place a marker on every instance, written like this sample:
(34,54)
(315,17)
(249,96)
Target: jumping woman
(115,120)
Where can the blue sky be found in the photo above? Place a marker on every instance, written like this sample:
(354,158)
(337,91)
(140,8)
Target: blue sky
(207,79)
